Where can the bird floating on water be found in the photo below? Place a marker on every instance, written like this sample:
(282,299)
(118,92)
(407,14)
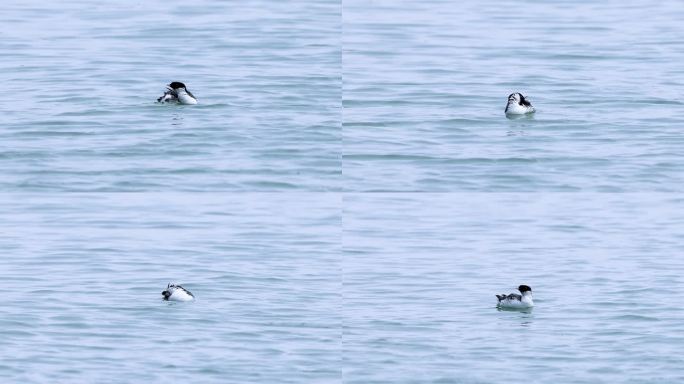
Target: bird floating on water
(177,92)
(513,300)
(175,292)
(518,105)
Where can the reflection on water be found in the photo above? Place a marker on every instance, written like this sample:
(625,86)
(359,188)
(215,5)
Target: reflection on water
(527,116)
(177,120)
(509,309)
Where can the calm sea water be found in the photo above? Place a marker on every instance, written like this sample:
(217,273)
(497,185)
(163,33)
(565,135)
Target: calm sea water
(421,272)
(80,80)
(83,275)
(425,86)
(270,200)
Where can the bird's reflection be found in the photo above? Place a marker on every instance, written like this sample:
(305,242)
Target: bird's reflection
(524,315)
(177,120)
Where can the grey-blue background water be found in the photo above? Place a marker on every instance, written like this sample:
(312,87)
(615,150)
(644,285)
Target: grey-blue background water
(252,199)
(80,79)
(421,272)
(83,275)
(425,86)
(84,272)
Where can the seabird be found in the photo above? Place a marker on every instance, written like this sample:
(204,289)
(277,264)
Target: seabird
(518,105)
(177,92)
(513,300)
(175,292)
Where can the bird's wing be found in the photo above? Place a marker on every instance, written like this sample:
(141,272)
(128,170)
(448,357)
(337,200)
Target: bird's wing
(514,296)
(168,95)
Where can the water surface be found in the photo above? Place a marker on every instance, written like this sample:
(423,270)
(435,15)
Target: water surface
(83,275)
(81,79)
(421,272)
(425,86)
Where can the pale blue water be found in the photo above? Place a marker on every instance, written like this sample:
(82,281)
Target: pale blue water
(421,272)
(425,86)
(82,276)
(80,80)
(263,199)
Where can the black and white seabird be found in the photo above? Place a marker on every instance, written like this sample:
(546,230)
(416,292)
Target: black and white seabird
(177,92)
(518,105)
(175,292)
(513,300)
